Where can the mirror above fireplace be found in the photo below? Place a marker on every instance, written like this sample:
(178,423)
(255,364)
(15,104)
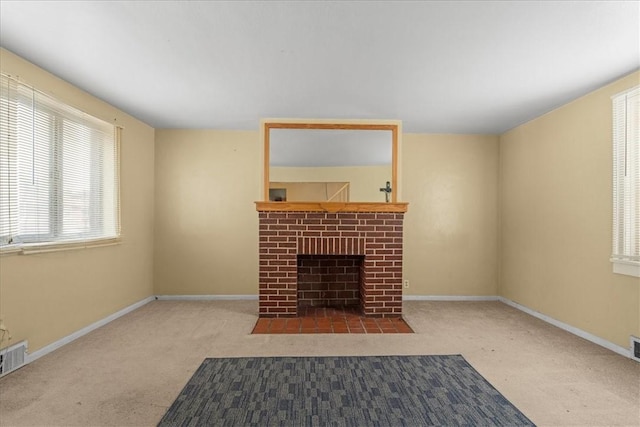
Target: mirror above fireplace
(330,160)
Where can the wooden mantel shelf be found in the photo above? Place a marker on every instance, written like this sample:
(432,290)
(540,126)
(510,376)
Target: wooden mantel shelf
(330,207)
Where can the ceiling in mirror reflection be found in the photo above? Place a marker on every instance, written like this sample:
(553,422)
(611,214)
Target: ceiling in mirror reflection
(329,147)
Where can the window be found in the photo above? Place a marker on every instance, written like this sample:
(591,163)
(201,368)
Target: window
(59,172)
(626,182)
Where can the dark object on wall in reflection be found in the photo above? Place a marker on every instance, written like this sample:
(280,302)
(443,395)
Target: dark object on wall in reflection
(277,194)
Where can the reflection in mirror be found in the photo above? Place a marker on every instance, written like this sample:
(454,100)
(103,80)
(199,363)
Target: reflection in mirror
(335,165)
(304,191)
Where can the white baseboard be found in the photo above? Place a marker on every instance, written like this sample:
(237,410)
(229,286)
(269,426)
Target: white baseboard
(84,331)
(572,329)
(450,298)
(576,331)
(206,297)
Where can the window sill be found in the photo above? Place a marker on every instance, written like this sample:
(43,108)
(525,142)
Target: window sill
(628,268)
(38,248)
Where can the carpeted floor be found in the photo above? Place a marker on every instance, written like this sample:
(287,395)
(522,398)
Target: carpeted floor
(346,391)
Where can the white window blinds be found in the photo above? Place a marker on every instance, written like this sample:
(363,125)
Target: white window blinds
(58,171)
(626,177)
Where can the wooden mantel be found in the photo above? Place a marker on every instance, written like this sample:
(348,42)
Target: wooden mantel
(330,207)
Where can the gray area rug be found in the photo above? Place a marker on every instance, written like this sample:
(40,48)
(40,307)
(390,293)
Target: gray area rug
(341,391)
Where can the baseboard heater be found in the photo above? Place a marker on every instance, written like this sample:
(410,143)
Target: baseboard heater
(12,358)
(635,348)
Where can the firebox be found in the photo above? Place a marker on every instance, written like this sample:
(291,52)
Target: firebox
(329,281)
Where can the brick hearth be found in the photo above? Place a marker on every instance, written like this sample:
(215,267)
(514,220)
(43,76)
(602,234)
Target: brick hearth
(288,238)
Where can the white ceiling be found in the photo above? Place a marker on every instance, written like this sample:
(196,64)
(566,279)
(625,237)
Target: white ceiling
(440,67)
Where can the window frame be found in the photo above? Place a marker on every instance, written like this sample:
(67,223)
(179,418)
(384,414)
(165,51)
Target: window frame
(625,190)
(56,239)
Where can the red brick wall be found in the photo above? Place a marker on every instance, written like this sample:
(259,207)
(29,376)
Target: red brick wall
(329,280)
(376,236)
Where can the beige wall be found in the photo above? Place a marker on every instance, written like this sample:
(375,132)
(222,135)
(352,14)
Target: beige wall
(556,216)
(450,231)
(206,239)
(364,181)
(48,296)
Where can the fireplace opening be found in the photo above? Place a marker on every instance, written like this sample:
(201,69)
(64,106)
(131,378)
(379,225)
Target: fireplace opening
(330,281)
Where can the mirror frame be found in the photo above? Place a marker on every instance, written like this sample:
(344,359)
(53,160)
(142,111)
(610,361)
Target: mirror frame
(393,126)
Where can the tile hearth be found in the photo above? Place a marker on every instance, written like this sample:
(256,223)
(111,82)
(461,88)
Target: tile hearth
(327,320)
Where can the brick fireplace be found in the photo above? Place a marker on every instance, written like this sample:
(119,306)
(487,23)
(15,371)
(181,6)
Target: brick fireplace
(312,258)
